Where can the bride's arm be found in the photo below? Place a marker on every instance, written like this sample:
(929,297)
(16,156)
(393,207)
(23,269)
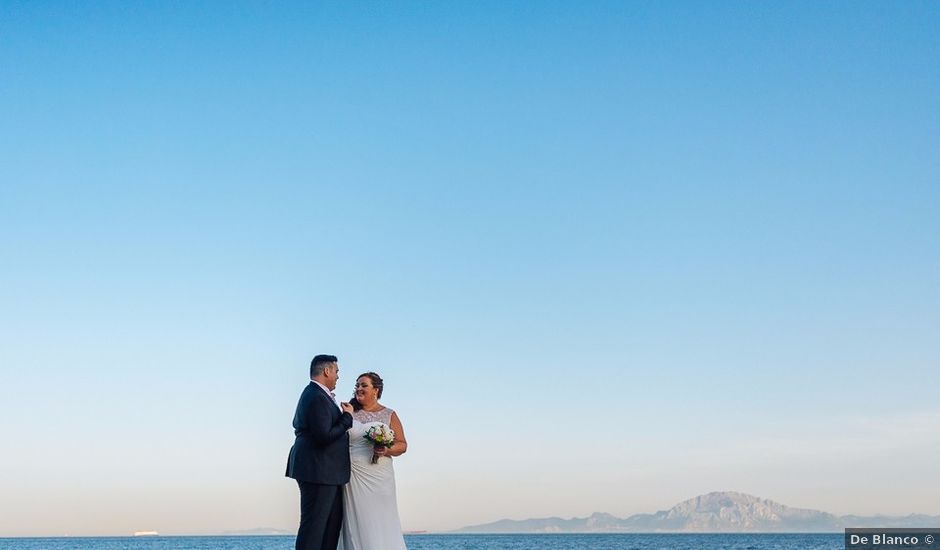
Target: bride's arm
(401,444)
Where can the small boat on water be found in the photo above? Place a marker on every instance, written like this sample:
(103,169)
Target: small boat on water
(146,534)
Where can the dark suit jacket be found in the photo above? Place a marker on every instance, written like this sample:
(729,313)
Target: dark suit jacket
(321,445)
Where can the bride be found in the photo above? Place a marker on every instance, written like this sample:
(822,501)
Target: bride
(370,507)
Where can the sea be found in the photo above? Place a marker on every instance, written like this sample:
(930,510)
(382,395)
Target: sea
(620,541)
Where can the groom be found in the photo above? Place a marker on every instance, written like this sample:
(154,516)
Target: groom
(319,459)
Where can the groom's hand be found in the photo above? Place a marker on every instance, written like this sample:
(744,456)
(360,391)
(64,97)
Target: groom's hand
(347,408)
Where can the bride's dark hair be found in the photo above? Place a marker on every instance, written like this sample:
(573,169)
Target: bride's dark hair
(376,382)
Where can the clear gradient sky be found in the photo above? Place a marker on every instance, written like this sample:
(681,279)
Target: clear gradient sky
(607,256)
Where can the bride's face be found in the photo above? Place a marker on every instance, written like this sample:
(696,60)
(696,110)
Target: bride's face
(365,391)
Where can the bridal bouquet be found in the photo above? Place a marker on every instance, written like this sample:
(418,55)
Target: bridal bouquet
(381,436)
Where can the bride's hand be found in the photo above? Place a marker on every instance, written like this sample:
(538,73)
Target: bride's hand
(380,450)
(346,407)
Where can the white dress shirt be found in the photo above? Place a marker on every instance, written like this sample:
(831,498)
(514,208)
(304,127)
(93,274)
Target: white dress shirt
(331,394)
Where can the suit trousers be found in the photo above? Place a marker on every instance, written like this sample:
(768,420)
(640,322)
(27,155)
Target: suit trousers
(321,516)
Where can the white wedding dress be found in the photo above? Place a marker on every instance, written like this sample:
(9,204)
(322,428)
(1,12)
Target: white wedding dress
(370,505)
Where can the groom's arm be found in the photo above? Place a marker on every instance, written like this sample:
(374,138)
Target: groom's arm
(323,429)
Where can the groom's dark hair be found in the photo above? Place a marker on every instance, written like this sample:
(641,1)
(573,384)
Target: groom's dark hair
(320,362)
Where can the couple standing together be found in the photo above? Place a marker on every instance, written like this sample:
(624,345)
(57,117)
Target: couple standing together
(347,484)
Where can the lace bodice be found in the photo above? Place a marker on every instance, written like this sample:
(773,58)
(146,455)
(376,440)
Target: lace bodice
(360,448)
(383,415)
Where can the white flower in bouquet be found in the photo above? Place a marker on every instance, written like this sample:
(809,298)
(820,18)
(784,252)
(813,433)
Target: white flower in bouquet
(381,436)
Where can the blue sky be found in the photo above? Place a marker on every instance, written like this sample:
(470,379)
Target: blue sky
(607,257)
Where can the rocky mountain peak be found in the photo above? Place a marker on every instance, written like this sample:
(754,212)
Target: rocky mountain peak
(717,512)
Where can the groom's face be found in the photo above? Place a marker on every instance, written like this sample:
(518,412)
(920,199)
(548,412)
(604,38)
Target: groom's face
(332,375)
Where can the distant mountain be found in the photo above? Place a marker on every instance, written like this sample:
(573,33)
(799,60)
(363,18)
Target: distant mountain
(720,512)
(258,531)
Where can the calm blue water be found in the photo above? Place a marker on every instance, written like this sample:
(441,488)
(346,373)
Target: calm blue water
(832,541)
